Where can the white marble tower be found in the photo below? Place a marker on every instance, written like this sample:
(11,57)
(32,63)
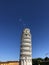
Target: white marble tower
(26,48)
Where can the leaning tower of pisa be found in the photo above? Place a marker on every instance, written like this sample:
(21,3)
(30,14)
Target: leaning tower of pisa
(26,48)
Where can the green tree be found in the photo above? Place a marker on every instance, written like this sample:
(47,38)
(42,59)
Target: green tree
(46,59)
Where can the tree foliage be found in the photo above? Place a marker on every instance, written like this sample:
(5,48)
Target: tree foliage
(46,59)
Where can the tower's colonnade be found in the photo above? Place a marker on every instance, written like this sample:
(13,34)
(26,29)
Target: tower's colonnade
(26,48)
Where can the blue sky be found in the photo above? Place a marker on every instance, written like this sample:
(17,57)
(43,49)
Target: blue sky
(15,15)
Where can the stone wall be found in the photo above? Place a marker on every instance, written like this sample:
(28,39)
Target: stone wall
(10,63)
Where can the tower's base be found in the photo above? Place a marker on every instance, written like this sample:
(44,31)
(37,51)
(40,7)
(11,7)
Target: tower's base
(26,62)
